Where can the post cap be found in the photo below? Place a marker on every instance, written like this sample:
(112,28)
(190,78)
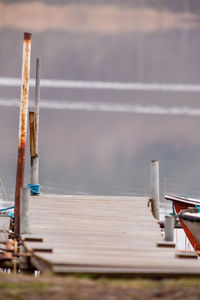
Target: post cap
(27,35)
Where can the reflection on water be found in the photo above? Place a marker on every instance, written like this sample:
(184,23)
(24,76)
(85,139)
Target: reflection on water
(106,153)
(108,107)
(100,141)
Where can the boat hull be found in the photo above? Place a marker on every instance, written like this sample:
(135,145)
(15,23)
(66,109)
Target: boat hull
(182,203)
(192,226)
(181,206)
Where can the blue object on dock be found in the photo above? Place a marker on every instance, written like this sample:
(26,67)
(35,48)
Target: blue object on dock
(198,207)
(7,208)
(11,215)
(34,188)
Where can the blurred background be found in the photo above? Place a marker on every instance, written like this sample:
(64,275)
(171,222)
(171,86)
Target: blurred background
(101,141)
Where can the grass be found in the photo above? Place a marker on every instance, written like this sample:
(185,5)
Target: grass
(23,287)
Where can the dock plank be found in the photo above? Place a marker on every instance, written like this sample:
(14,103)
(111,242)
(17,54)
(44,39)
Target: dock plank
(100,234)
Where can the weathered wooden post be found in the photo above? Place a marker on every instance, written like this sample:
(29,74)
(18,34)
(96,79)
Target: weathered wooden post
(33,153)
(32,134)
(155,194)
(24,210)
(169,228)
(34,131)
(22,127)
(37,99)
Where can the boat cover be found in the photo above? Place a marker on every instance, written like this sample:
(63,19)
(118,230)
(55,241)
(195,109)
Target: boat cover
(193,217)
(183,199)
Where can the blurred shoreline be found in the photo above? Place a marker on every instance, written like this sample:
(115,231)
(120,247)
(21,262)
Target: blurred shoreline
(100,18)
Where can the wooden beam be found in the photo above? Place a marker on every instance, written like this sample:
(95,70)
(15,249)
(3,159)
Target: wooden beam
(33,152)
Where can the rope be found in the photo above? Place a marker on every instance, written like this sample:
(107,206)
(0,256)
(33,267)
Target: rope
(198,208)
(11,215)
(34,188)
(7,208)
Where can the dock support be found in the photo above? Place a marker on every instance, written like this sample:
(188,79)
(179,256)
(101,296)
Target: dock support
(34,171)
(155,194)
(33,152)
(37,114)
(24,210)
(34,130)
(22,127)
(169,228)
(24,262)
(37,99)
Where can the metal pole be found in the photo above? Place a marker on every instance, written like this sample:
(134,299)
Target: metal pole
(24,210)
(169,228)
(155,194)
(22,127)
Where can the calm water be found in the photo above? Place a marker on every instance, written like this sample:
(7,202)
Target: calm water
(102,141)
(106,152)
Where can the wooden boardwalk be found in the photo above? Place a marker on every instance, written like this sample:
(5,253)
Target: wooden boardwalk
(100,234)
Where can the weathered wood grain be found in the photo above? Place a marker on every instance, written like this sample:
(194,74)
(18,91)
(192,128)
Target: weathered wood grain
(100,234)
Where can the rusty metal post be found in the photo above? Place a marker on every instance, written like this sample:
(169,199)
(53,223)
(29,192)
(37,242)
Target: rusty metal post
(22,127)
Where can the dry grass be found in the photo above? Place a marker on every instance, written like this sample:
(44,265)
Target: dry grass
(84,288)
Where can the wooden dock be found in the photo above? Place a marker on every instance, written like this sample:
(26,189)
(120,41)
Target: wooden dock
(100,234)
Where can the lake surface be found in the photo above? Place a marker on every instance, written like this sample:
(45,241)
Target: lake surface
(105,148)
(95,141)
(87,149)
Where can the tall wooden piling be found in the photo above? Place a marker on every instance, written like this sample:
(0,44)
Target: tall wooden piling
(34,122)
(37,99)
(155,193)
(33,152)
(22,126)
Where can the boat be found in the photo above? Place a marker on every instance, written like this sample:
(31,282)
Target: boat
(191,220)
(182,202)
(181,206)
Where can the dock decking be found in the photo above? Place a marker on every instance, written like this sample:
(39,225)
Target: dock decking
(100,234)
